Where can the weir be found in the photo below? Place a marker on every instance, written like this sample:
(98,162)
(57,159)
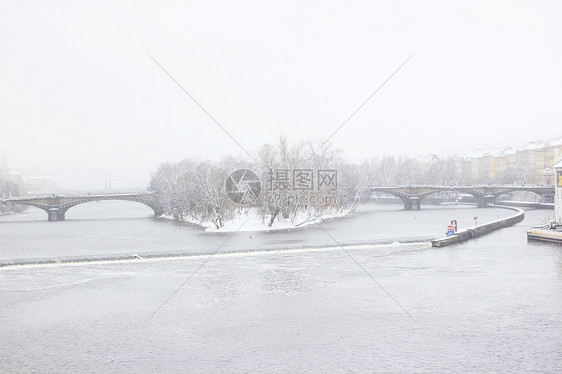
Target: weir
(480,230)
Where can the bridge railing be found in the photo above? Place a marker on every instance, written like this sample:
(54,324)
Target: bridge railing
(82,195)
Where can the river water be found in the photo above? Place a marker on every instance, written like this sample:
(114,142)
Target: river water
(286,301)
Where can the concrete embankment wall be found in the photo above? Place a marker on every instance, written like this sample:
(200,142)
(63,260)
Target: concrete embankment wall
(480,230)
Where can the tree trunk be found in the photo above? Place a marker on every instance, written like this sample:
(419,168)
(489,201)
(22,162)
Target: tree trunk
(273,216)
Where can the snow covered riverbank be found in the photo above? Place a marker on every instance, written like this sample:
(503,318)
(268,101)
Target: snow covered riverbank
(253,221)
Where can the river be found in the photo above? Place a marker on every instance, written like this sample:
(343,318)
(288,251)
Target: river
(284,301)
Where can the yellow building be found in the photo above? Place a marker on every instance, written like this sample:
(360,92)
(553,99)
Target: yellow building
(530,164)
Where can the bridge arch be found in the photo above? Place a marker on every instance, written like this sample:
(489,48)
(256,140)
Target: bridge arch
(411,196)
(65,207)
(538,191)
(56,207)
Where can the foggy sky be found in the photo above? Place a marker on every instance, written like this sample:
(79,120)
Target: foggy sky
(80,95)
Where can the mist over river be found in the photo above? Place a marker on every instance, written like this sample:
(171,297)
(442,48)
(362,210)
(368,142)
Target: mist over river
(273,301)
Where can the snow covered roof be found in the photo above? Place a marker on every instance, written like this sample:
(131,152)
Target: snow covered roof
(556,142)
(479,153)
(531,146)
(511,150)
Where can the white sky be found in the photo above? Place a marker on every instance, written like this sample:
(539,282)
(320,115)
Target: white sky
(79,94)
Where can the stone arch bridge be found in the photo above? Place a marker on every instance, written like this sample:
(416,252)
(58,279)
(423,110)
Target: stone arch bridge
(57,205)
(411,196)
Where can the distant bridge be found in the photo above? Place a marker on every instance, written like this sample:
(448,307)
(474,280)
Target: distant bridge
(57,205)
(411,196)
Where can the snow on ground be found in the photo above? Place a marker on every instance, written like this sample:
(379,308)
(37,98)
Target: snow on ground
(252,221)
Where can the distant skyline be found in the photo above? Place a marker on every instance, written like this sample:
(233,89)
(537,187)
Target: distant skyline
(36,174)
(80,95)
